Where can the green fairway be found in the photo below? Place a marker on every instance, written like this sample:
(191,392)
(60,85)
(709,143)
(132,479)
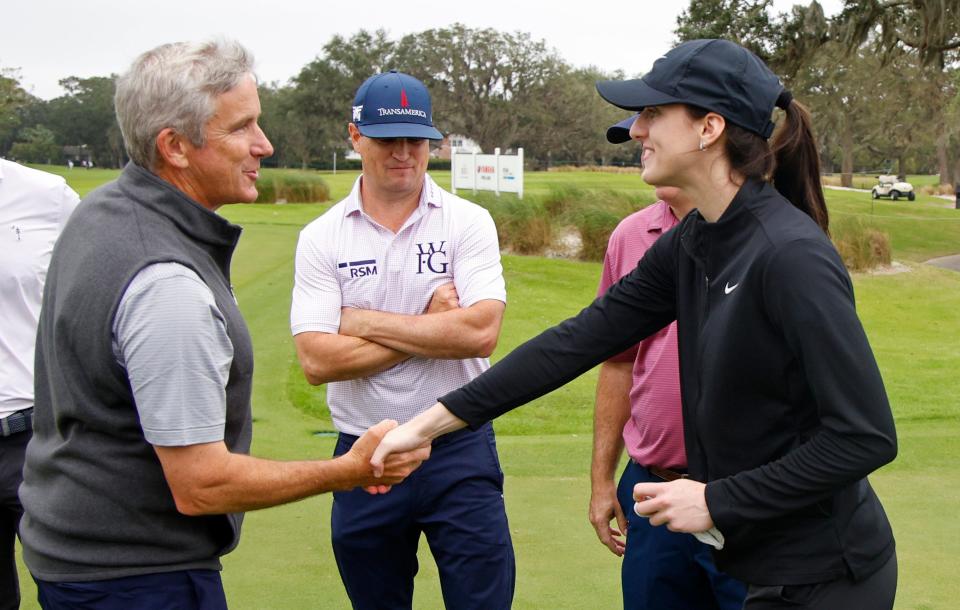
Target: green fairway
(913,321)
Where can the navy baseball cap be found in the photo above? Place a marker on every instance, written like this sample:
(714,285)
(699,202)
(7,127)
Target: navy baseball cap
(716,75)
(620,133)
(394,105)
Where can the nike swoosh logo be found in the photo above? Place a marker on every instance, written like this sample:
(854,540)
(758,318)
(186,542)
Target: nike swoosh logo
(728,288)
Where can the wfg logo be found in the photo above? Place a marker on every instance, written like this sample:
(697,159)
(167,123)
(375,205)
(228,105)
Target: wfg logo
(435,258)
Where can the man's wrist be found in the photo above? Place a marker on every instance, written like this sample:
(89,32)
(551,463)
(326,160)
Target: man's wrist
(352,322)
(601,484)
(343,473)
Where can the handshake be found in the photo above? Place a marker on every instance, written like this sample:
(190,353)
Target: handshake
(391,467)
(387,453)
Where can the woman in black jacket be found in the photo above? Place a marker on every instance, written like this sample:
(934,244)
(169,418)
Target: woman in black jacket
(785,413)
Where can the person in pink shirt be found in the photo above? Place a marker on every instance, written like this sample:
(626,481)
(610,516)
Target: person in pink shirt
(638,407)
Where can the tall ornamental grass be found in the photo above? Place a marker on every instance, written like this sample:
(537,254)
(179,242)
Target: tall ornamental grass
(291,186)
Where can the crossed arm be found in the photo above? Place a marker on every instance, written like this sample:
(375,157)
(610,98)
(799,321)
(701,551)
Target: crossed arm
(371,341)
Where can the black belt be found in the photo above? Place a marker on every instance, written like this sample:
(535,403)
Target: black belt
(17,422)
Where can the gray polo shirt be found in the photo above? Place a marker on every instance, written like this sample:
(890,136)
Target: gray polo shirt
(171,338)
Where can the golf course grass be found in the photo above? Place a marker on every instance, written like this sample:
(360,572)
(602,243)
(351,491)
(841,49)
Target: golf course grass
(912,319)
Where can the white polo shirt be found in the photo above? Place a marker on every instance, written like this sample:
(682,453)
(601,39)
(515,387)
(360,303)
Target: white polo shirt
(34,206)
(345,259)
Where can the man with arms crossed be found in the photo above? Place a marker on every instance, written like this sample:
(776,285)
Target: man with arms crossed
(34,206)
(638,406)
(399,296)
(137,475)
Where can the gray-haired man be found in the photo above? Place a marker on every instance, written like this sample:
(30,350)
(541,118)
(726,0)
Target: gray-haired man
(136,476)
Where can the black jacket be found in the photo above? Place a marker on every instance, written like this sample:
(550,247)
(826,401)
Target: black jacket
(785,412)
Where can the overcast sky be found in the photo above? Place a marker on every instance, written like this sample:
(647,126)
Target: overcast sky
(52,39)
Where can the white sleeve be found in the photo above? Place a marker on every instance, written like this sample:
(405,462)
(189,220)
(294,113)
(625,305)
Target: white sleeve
(477,272)
(68,200)
(172,339)
(316,290)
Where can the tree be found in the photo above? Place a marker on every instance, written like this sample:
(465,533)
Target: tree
(316,109)
(85,115)
(931,28)
(928,29)
(12,99)
(485,84)
(841,93)
(571,121)
(746,22)
(38,145)
(786,42)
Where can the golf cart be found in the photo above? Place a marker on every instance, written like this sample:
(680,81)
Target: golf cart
(889,186)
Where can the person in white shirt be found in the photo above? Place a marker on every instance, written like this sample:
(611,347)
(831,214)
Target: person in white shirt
(34,206)
(399,297)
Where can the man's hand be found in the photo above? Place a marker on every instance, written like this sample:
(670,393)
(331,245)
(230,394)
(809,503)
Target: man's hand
(680,504)
(395,469)
(444,298)
(604,507)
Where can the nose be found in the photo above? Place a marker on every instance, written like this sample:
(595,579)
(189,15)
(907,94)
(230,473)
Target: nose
(261,145)
(401,148)
(638,130)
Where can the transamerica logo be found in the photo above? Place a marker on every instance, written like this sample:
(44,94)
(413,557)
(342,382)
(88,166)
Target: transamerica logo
(410,111)
(426,255)
(357,113)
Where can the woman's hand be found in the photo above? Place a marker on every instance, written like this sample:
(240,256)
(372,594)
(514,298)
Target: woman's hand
(416,433)
(681,505)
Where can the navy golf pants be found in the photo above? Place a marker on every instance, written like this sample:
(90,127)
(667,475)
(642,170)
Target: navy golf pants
(664,569)
(456,500)
(182,590)
(11,475)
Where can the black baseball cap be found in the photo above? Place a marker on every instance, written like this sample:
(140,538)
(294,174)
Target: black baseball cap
(716,75)
(394,105)
(620,133)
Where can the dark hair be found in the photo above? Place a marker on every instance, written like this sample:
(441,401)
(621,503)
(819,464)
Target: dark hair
(790,161)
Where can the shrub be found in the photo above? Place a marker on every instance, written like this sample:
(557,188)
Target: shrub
(291,186)
(595,225)
(529,226)
(562,199)
(523,225)
(861,247)
(937,189)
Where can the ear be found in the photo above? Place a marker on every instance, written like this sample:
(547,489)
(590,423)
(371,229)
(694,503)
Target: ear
(355,136)
(172,148)
(713,126)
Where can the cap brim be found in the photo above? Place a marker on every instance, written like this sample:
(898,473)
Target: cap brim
(620,133)
(633,94)
(400,130)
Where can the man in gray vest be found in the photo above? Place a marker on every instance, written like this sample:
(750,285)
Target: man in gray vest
(137,475)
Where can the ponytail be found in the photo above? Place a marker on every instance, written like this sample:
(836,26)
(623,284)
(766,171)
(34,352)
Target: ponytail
(790,161)
(796,171)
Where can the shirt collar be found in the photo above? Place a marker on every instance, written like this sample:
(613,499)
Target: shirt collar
(664,222)
(430,194)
